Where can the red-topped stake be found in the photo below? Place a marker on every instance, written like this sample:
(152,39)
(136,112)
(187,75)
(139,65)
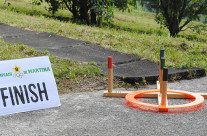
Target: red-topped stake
(110,62)
(110,74)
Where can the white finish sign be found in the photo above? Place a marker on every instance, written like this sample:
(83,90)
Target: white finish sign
(27,84)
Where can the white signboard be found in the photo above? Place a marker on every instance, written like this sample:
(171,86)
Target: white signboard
(27,84)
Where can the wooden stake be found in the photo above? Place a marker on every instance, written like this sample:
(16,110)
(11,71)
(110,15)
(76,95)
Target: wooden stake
(164,93)
(159,98)
(162,65)
(160,71)
(163,89)
(110,74)
(158,85)
(160,76)
(162,51)
(161,80)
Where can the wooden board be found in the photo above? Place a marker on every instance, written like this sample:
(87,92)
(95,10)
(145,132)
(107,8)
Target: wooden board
(159,99)
(158,85)
(147,95)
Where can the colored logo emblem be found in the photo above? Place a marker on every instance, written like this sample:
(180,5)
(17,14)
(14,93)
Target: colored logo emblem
(18,73)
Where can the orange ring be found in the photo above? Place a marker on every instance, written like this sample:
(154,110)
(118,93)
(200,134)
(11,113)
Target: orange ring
(198,99)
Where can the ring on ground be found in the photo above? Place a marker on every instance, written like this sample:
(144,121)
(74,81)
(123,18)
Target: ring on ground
(130,97)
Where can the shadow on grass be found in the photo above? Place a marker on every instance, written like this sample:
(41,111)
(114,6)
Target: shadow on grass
(139,31)
(44,13)
(37,13)
(192,37)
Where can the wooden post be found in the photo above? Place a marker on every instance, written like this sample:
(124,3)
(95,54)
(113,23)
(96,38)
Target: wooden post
(164,93)
(161,86)
(161,73)
(162,51)
(110,74)
(164,90)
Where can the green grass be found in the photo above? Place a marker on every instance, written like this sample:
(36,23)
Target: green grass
(133,33)
(66,72)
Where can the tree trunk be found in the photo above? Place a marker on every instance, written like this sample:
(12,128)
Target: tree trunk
(174,28)
(74,10)
(93,17)
(84,11)
(142,3)
(99,20)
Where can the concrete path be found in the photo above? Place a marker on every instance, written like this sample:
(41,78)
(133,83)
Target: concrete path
(132,67)
(91,114)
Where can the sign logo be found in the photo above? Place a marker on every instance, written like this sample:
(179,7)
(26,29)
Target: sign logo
(17,74)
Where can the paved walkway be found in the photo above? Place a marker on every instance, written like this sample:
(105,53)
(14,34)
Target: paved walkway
(90,114)
(132,67)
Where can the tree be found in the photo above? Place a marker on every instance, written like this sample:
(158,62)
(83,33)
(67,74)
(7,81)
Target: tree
(89,11)
(177,14)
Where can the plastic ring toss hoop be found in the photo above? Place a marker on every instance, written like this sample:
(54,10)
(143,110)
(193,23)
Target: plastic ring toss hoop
(198,99)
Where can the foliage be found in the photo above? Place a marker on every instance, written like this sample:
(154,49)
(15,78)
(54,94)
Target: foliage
(89,11)
(177,14)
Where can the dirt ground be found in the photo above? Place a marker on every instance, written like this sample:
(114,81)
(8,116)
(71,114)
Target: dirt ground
(86,85)
(95,84)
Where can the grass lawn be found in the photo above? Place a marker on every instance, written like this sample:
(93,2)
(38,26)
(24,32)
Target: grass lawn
(133,33)
(70,76)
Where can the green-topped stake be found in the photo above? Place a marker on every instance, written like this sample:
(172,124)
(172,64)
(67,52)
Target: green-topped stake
(162,62)
(162,53)
(161,65)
